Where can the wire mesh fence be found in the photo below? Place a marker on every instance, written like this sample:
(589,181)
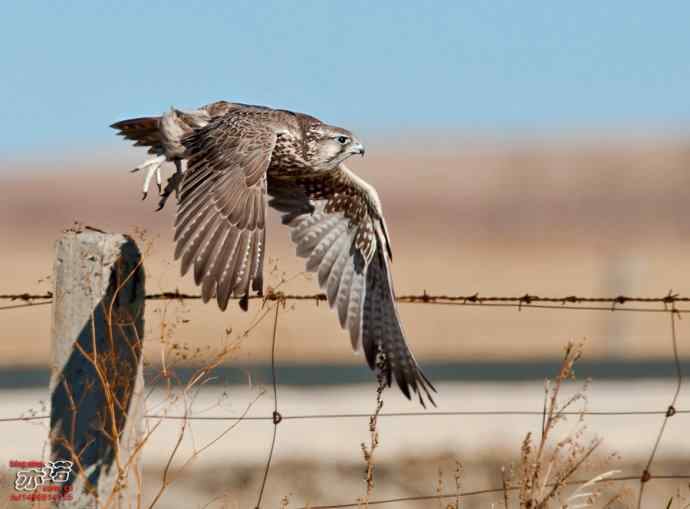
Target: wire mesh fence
(668,304)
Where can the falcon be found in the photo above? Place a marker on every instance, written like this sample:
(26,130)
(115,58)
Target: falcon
(232,161)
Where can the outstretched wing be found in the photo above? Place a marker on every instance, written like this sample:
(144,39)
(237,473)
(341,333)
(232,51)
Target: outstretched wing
(221,216)
(337,225)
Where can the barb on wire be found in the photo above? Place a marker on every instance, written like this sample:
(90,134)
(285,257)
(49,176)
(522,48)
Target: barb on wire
(27,299)
(26,296)
(426,298)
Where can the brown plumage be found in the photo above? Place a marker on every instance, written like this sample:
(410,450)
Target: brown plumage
(241,158)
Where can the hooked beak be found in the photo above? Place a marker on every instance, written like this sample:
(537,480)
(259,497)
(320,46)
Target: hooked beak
(358,148)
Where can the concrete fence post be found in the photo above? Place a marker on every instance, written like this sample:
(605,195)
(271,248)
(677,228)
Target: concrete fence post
(96,385)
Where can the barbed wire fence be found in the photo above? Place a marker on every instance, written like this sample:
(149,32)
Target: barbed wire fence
(667,304)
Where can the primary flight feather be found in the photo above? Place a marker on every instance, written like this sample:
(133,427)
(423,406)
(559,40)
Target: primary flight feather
(241,158)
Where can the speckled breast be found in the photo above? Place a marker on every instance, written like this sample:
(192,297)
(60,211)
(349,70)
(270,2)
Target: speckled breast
(286,158)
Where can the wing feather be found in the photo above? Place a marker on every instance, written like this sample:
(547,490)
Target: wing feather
(336,273)
(189,242)
(336,223)
(342,299)
(203,259)
(220,225)
(330,257)
(319,251)
(257,276)
(209,283)
(226,281)
(224,260)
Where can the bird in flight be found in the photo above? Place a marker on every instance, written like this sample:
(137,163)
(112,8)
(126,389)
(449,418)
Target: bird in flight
(240,158)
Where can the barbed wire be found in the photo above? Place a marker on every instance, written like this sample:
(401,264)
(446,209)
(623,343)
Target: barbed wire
(526,300)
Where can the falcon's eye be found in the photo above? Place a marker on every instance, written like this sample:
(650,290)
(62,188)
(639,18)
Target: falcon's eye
(342,139)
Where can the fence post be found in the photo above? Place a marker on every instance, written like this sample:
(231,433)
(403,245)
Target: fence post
(97,383)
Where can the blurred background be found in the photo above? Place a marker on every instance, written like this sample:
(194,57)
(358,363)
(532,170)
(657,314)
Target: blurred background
(517,148)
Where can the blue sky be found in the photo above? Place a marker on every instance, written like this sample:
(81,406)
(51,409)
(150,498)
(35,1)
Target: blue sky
(491,67)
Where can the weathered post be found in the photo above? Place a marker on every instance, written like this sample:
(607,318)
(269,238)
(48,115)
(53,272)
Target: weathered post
(96,415)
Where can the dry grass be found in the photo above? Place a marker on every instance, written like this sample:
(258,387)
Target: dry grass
(547,468)
(368,451)
(544,469)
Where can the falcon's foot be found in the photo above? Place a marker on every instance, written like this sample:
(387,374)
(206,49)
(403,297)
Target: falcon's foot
(152,167)
(170,187)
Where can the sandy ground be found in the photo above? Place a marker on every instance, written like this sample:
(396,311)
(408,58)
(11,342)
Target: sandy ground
(546,217)
(319,460)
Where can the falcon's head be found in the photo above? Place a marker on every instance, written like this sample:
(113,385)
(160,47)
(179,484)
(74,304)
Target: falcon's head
(328,146)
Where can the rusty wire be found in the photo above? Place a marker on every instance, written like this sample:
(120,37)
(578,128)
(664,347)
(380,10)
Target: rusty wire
(526,300)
